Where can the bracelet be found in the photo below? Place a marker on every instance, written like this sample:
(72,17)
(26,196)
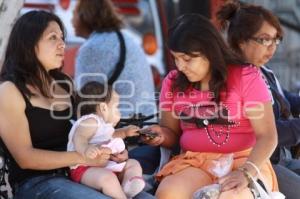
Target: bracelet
(254,166)
(246,174)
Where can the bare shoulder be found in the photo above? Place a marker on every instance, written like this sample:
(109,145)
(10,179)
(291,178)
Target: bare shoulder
(87,126)
(10,96)
(89,122)
(12,115)
(8,87)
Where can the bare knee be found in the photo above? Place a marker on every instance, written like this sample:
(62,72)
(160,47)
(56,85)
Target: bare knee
(167,190)
(131,163)
(99,178)
(170,193)
(108,178)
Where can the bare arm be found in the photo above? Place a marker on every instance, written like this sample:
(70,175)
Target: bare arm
(263,124)
(170,128)
(168,131)
(85,131)
(128,131)
(14,131)
(119,133)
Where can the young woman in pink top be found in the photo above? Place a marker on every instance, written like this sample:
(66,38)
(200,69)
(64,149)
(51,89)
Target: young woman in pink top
(208,106)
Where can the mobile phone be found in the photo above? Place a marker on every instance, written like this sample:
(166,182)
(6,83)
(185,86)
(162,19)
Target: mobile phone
(148,133)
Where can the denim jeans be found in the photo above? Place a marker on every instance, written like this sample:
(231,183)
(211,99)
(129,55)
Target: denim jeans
(288,181)
(58,187)
(286,160)
(148,157)
(292,164)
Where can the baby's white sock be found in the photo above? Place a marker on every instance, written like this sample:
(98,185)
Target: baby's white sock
(133,186)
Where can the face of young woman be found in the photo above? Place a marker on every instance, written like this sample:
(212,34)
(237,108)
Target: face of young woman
(196,68)
(50,48)
(261,47)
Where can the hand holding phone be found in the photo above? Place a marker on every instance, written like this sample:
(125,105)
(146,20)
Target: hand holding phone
(148,133)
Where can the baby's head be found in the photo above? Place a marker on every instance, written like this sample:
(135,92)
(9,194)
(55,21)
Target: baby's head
(98,99)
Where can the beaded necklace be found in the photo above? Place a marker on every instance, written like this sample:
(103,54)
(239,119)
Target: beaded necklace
(207,117)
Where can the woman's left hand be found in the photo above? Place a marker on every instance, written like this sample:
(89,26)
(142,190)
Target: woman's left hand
(235,180)
(120,157)
(156,140)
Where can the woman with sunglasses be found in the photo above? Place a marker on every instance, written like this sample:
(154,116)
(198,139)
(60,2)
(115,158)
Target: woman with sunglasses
(207,105)
(255,33)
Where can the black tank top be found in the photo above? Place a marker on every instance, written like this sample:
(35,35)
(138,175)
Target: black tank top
(48,130)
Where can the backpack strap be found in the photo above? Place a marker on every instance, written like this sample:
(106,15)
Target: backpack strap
(121,63)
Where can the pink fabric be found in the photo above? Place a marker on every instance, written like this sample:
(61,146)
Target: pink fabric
(116,145)
(245,88)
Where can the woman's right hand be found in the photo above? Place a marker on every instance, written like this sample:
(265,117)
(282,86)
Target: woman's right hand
(157,140)
(101,159)
(235,180)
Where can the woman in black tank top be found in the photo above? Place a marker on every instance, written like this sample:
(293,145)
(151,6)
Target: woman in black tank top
(35,112)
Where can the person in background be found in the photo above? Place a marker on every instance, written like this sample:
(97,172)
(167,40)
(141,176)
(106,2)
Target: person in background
(208,106)
(35,112)
(97,109)
(98,22)
(254,33)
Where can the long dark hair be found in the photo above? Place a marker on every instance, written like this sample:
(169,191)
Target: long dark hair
(192,33)
(21,64)
(243,20)
(98,15)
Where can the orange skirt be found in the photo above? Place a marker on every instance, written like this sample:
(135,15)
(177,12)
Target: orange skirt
(204,161)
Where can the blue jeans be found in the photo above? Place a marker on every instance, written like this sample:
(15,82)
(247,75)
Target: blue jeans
(292,164)
(60,187)
(148,157)
(287,161)
(288,181)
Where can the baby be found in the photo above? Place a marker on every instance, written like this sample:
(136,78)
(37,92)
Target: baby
(93,133)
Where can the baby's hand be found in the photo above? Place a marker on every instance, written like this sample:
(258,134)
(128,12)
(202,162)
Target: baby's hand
(104,151)
(120,157)
(101,158)
(91,152)
(131,130)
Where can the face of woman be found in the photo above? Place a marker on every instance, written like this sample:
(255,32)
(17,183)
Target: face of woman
(261,47)
(50,48)
(196,68)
